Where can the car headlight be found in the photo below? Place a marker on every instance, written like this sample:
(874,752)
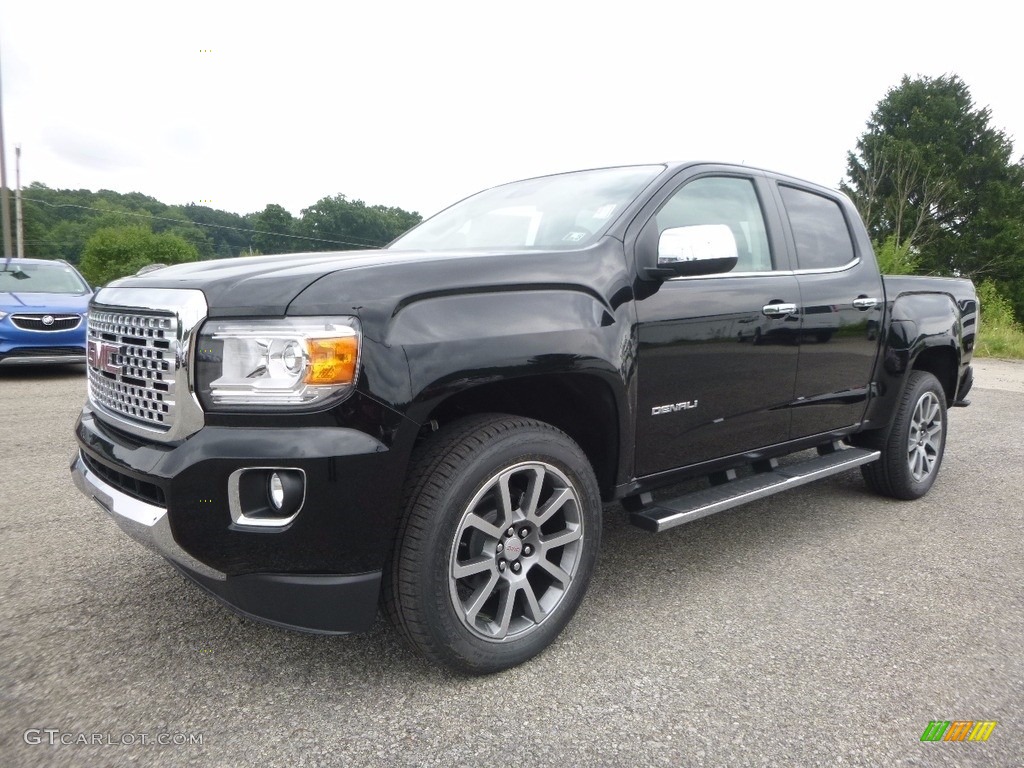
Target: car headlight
(289,362)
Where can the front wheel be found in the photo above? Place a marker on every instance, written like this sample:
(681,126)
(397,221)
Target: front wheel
(912,450)
(498,543)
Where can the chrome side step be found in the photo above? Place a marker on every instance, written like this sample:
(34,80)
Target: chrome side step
(669,513)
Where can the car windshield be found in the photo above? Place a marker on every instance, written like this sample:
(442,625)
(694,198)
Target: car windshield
(569,210)
(41,278)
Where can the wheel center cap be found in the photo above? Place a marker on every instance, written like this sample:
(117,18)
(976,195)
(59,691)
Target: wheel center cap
(513,548)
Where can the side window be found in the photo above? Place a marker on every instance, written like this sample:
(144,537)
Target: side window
(722,200)
(819,229)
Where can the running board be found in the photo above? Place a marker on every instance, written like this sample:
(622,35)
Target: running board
(669,513)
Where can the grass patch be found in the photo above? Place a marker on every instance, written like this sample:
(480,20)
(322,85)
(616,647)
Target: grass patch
(1000,334)
(999,342)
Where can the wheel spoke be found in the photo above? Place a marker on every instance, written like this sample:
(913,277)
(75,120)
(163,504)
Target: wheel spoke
(475,521)
(562,538)
(506,602)
(478,598)
(557,573)
(472,567)
(552,505)
(505,495)
(531,498)
(533,610)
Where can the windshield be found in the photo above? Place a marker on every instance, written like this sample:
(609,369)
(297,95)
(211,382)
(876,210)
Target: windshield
(570,210)
(41,278)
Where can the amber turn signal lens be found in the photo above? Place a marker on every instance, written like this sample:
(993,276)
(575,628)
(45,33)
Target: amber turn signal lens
(332,361)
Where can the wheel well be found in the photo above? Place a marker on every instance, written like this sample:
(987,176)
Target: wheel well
(582,406)
(941,362)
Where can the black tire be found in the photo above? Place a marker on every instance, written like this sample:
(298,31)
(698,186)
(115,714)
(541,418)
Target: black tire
(906,469)
(457,521)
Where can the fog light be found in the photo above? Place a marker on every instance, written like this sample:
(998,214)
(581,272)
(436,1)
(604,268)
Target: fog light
(266,497)
(276,491)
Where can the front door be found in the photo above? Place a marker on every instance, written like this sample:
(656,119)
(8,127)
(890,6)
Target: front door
(717,359)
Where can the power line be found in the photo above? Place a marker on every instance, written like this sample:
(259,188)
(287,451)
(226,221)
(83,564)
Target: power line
(375,244)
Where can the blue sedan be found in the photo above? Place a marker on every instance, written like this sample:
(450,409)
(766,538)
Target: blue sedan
(43,307)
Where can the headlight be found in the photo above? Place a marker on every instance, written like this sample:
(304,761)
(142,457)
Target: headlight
(290,362)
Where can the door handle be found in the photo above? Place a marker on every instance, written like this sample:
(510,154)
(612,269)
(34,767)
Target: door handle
(778,310)
(865,302)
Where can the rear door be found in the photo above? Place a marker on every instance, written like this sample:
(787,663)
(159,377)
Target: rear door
(717,359)
(841,303)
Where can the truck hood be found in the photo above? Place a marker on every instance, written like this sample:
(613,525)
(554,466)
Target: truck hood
(266,285)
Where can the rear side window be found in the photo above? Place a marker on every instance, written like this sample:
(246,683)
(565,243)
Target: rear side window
(819,228)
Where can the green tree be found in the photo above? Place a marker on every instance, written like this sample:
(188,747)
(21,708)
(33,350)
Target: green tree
(336,222)
(931,172)
(273,226)
(228,231)
(114,252)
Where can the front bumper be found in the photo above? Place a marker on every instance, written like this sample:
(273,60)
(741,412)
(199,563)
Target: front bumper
(326,604)
(320,573)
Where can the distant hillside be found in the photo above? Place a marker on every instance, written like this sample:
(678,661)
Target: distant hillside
(58,222)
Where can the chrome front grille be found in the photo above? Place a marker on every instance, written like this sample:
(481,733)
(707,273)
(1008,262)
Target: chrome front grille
(132,364)
(47,322)
(139,357)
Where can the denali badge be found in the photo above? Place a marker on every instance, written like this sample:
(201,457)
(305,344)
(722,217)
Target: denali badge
(673,407)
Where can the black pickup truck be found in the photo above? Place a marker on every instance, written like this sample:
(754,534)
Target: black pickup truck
(435,426)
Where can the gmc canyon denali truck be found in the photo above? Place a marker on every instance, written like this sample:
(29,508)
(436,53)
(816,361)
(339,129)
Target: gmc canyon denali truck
(434,427)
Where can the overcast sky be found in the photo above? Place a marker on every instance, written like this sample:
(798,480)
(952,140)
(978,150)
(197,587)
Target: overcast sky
(417,104)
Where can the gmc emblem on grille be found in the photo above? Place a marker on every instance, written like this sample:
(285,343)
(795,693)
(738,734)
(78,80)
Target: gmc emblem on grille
(101,356)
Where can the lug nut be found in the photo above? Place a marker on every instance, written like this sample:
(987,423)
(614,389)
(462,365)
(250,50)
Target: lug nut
(500,547)
(501,566)
(524,532)
(527,550)
(516,567)
(511,531)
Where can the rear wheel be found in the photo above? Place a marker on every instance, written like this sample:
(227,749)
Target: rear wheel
(498,543)
(913,448)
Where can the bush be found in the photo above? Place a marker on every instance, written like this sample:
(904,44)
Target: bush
(114,252)
(895,258)
(1000,335)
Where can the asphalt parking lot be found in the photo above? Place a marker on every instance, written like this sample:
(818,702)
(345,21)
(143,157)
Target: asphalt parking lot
(820,627)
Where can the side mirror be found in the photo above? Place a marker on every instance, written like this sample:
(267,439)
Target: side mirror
(703,249)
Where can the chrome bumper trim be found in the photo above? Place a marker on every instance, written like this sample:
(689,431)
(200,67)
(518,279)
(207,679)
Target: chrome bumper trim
(146,523)
(43,360)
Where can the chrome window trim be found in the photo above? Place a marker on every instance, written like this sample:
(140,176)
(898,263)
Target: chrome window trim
(769,273)
(190,308)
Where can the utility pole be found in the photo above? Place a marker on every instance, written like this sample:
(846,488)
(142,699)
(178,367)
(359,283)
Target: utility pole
(5,200)
(19,223)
